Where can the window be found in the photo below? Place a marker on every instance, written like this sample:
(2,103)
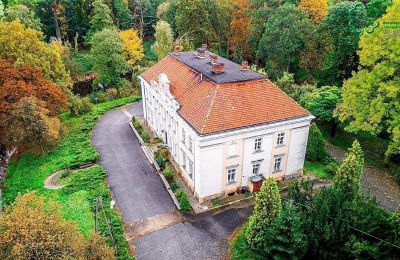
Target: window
(190,169)
(281,139)
(232,149)
(231,175)
(257,144)
(256,169)
(183,136)
(183,160)
(190,143)
(278,164)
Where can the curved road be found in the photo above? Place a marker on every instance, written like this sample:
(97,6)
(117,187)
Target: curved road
(142,198)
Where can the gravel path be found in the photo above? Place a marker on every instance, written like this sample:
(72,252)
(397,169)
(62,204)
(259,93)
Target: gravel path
(375,182)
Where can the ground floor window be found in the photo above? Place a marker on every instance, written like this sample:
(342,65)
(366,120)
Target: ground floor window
(190,169)
(183,160)
(278,164)
(231,175)
(256,169)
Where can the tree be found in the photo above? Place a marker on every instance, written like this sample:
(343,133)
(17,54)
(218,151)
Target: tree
(108,59)
(371,95)
(33,228)
(317,9)
(376,8)
(1,9)
(240,31)
(193,19)
(164,40)
(268,206)
(288,30)
(100,19)
(24,15)
(348,177)
(316,151)
(322,102)
(343,26)
(133,45)
(123,16)
(145,15)
(26,46)
(285,238)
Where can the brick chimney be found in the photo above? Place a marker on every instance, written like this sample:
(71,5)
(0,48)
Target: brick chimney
(213,58)
(177,49)
(245,65)
(217,68)
(201,52)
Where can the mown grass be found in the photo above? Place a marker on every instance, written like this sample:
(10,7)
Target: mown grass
(240,249)
(319,169)
(28,172)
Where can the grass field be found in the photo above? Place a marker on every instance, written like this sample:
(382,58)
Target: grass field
(29,172)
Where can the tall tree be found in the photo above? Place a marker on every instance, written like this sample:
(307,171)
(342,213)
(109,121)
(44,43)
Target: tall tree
(322,102)
(288,30)
(100,19)
(1,9)
(24,15)
(26,46)
(133,45)
(315,151)
(285,238)
(371,96)
(123,16)
(343,26)
(34,229)
(240,31)
(145,15)
(268,205)
(108,59)
(164,40)
(317,9)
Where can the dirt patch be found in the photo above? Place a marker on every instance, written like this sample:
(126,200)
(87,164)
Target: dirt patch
(375,182)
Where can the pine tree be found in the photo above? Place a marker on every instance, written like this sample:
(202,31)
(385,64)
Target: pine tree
(268,206)
(315,147)
(285,238)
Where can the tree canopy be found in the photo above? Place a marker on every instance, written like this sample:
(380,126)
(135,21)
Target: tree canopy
(133,45)
(24,15)
(164,40)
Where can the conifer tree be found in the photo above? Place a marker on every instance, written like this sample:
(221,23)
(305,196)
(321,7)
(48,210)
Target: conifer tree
(315,147)
(285,238)
(268,206)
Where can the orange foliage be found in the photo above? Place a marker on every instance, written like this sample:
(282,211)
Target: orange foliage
(317,9)
(17,82)
(240,28)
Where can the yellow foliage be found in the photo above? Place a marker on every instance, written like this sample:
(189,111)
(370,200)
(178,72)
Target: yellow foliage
(317,9)
(133,45)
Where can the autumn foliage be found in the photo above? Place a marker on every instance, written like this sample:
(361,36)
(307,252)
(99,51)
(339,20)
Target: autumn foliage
(240,29)
(133,45)
(317,9)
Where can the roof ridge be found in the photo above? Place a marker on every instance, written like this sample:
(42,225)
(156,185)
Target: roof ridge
(209,109)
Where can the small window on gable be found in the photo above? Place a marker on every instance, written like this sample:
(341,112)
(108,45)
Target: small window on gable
(232,149)
(281,139)
(257,144)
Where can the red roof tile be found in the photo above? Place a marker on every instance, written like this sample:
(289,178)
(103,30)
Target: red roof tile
(210,107)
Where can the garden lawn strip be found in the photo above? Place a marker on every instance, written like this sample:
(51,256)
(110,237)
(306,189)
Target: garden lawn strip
(28,172)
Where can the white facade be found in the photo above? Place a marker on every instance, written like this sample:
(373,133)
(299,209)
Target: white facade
(220,163)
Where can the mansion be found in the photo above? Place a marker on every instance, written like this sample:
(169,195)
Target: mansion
(227,127)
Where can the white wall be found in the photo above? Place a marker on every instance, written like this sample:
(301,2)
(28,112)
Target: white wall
(211,169)
(297,150)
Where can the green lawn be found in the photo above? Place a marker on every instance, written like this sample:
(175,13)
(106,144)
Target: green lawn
(319,169)
(28,172)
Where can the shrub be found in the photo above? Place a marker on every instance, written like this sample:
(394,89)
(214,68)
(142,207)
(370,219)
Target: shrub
(79,106)
(316,151)
(174,186)
(331,168)
(127,92)
(168,172)
(184,203)
(112,93)
(178,192)
(137,125)
(145,136)
(161,161)
(98,97)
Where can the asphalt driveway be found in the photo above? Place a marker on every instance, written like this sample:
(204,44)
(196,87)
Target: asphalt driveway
(140,195)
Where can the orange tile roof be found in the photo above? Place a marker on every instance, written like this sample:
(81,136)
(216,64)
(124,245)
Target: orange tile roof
(210,107)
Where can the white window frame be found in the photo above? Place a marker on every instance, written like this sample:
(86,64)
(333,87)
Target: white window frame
(281,139)
(257,166)
(278,163)
(183,136)
(231,175)
(183,160)
(190,173)
(190,143)
(258,144)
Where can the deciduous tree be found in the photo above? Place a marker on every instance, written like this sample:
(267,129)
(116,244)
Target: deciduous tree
(268,206)
(100,19)
(133,45)
(108,59)
(240,31)
(26,46)
(123,16)
(371,96)
(24,15)
(164,40)
(317,9)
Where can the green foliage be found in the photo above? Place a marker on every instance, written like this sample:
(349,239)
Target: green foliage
(174,186)
(316,151)
(285,238)
(100,19)
(123,15)
(148,50)
(161,161)
(84,59)
(1,9)
(376,8)
(79,106)
(168,172)
(288,30)
(164,40)
(184,203)
(370,96)
(268,206)
(24,15)
(108,59)
(240,248)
